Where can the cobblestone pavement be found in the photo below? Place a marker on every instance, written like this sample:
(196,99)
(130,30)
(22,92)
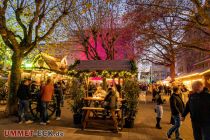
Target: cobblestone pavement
(144,127)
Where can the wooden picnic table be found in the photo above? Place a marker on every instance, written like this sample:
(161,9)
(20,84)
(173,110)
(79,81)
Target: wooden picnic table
(90,100)
(93,101)
(88,109)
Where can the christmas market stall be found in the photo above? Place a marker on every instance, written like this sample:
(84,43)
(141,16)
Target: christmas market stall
(93,79)
(43,67)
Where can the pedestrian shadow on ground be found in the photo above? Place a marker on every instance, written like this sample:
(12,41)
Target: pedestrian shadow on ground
(98,133)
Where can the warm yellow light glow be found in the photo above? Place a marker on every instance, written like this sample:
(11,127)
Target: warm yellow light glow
(28,65)
(166,83)
(187,76)
(188,83)
(38,75)
(195,74)
(109,79)
(197,80)
(50,74)
(204,72)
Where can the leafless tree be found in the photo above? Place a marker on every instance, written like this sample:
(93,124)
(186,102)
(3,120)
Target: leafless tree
(193,14)
(96,28)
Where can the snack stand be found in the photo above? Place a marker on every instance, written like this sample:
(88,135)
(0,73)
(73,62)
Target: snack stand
(101,74)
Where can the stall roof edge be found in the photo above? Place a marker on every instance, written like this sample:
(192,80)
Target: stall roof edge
(95,65)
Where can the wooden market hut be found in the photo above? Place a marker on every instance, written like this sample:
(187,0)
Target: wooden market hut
(43,66)
(45,61)
(105,70)
(91,66)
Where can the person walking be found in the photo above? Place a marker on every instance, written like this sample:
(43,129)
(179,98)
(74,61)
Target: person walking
(177,108)
(155,91)
(159,109)
(64,90)
(46,96)
(198,106)
(58,96)
(23,95)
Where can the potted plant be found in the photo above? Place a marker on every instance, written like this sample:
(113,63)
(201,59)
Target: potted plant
(77,93)
(131,91)
(76,109)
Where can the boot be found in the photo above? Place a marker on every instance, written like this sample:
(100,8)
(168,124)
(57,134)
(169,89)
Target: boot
(158,123)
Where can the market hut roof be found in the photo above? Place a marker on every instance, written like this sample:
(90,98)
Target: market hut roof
(95,65)
(49,62)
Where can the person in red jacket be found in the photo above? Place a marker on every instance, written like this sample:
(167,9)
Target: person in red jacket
(46,96)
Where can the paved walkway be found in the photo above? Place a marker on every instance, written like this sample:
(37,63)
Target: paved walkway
(144,127)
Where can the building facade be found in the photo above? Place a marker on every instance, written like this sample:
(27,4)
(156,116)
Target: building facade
(192,64)
(152,73)
(159,72)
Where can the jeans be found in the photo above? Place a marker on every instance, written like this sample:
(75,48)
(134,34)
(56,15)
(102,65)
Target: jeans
(44,113)
(62,100)
(175,127)
(23,110)
(201,132)
(58,107)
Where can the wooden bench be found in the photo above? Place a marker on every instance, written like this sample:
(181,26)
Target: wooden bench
(88,110)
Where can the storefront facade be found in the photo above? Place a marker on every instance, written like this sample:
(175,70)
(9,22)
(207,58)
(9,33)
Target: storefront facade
(187,80)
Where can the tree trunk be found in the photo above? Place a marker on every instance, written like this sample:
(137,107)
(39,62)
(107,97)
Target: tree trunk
(172,71)
(15,78)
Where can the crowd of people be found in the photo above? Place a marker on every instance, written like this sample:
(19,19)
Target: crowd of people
(48,90)
(44,92)
(197,105)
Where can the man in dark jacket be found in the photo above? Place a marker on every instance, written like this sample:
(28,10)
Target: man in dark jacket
(177,108)
(23,95)
(199,108)
(155,91)
(58,95)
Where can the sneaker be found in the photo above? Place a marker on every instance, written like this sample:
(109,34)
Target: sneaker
(29,122)
(58,118)
(43,123)
(20,122)
(48,121)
